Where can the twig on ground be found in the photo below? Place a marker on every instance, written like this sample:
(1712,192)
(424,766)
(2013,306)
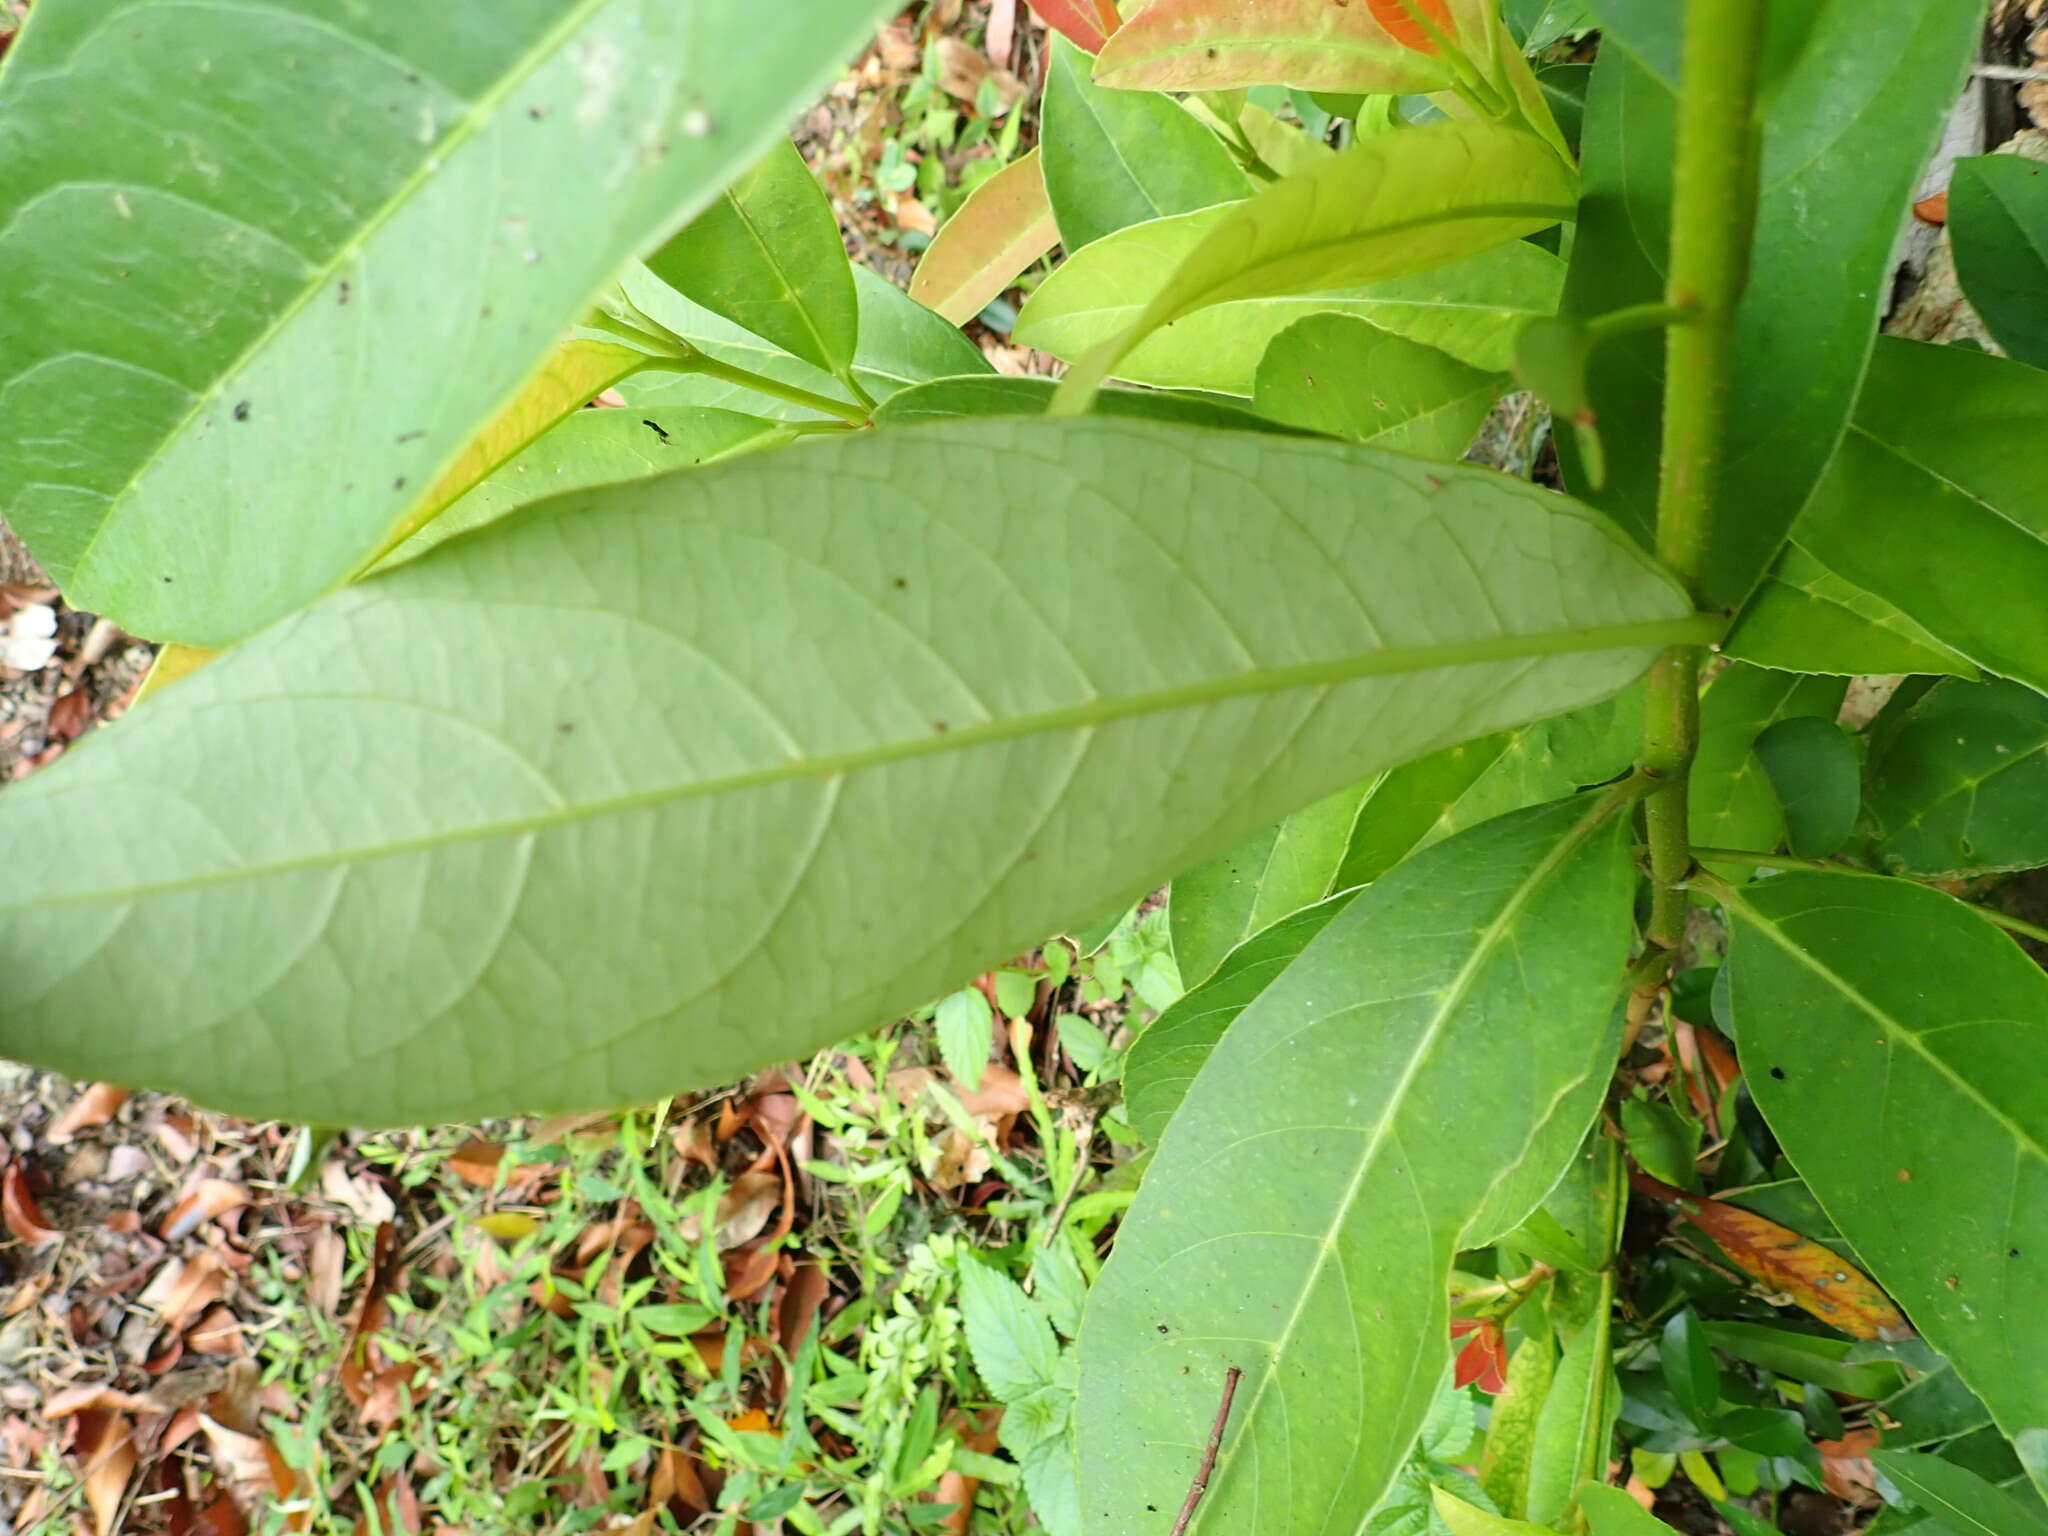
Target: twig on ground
(1201,1482)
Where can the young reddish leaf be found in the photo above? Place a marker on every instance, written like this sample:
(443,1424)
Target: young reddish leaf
(1084,23)
(1206,45)
(1817,1279)
(999,231)
(1483,1361)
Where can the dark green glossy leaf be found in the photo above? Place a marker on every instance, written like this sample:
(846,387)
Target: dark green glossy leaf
(1687,1361)
(593,783)
(1345,377)
(1733,804)
(1217,905)
(244,335)
(1928,505)
(1893,1039)
(1805,618)
(1998,224)
(767,256)
(1300,1217)
(1804,1357)
(1812,767)
(1163,1060)
(1959,784)
(1844,137)
(1114,158)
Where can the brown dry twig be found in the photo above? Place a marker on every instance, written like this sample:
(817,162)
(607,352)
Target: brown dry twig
(1200,1485)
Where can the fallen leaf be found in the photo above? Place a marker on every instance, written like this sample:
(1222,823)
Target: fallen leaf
(754,1421)
(1932,210)
(964,68)
(508,1227)
(1847,1469)
(101,1395)
(957,1488)
(24,1218)
(912,215)
(202,1203)
(95,1106)
(675,1481)
(476,1162)
(106,1452)
(362,1197)
(1816,1279)
(743,1210)
(219,1332)
(1000,35)
(184,1288)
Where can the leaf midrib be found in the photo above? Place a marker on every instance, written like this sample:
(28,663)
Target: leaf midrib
(1691,629)
(482,110)
(1453,998)
(1892,1027)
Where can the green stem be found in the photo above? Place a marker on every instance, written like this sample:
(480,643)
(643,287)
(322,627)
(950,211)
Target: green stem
(712,368)
(1713,211)
(1636,317)
(1752,860)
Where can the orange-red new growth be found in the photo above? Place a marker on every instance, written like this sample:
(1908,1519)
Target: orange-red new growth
(1484,1359)
(1404,19)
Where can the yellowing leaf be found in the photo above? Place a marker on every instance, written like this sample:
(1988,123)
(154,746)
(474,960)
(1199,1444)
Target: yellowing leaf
(1470,1520)
(1213,45)
(999,231)
(1393,204)
(1817,1279)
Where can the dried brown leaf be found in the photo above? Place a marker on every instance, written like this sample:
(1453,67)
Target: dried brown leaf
(96,1105)
(201,1203)
(24,1218)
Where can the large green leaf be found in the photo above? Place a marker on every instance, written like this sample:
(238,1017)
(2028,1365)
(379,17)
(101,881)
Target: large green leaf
(585,796)
(1165,1059)
(1470,309)
(901,343)
(1998,225)
(1959,785)
(1806,618)
(1928,506)
(1343,376)
(1219,904)
(1300,1217)
(1390,205)
(1894,1041)
(1964,1503)
(767,256)
(242,337)
(1114,158)
(1843,140)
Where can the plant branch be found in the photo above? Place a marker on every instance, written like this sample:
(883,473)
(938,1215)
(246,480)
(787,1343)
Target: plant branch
(1713,211)
(1200,1485)
(618,315)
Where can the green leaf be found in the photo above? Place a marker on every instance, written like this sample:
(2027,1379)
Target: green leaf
(767,256)
(901,343)
(989,394)
(1963,1502)
(1805,618)
(1915,1111)
(1427,800)
(1998,227)
(1344,377)
(1050,1484)
(1004,226)
(1468,308)
(966,1029)
(317,310)
(1663,1140)
(1213,45)
(1612,1512)
(1928,465)
(1164,1060)
(1216,906)
(1013,1346)
(1576,1426)
(1687,1362)
(1119,157)
(596,448)
(1732,803)
(1805,1357)
(1844,139)
(1470,1520)
(1511,1431)
(583,851)
(1812,767)
(1301,1214)
(1958,783)
(1391,205)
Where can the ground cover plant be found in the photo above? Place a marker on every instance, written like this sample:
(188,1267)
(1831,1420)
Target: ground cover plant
(1528,848)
